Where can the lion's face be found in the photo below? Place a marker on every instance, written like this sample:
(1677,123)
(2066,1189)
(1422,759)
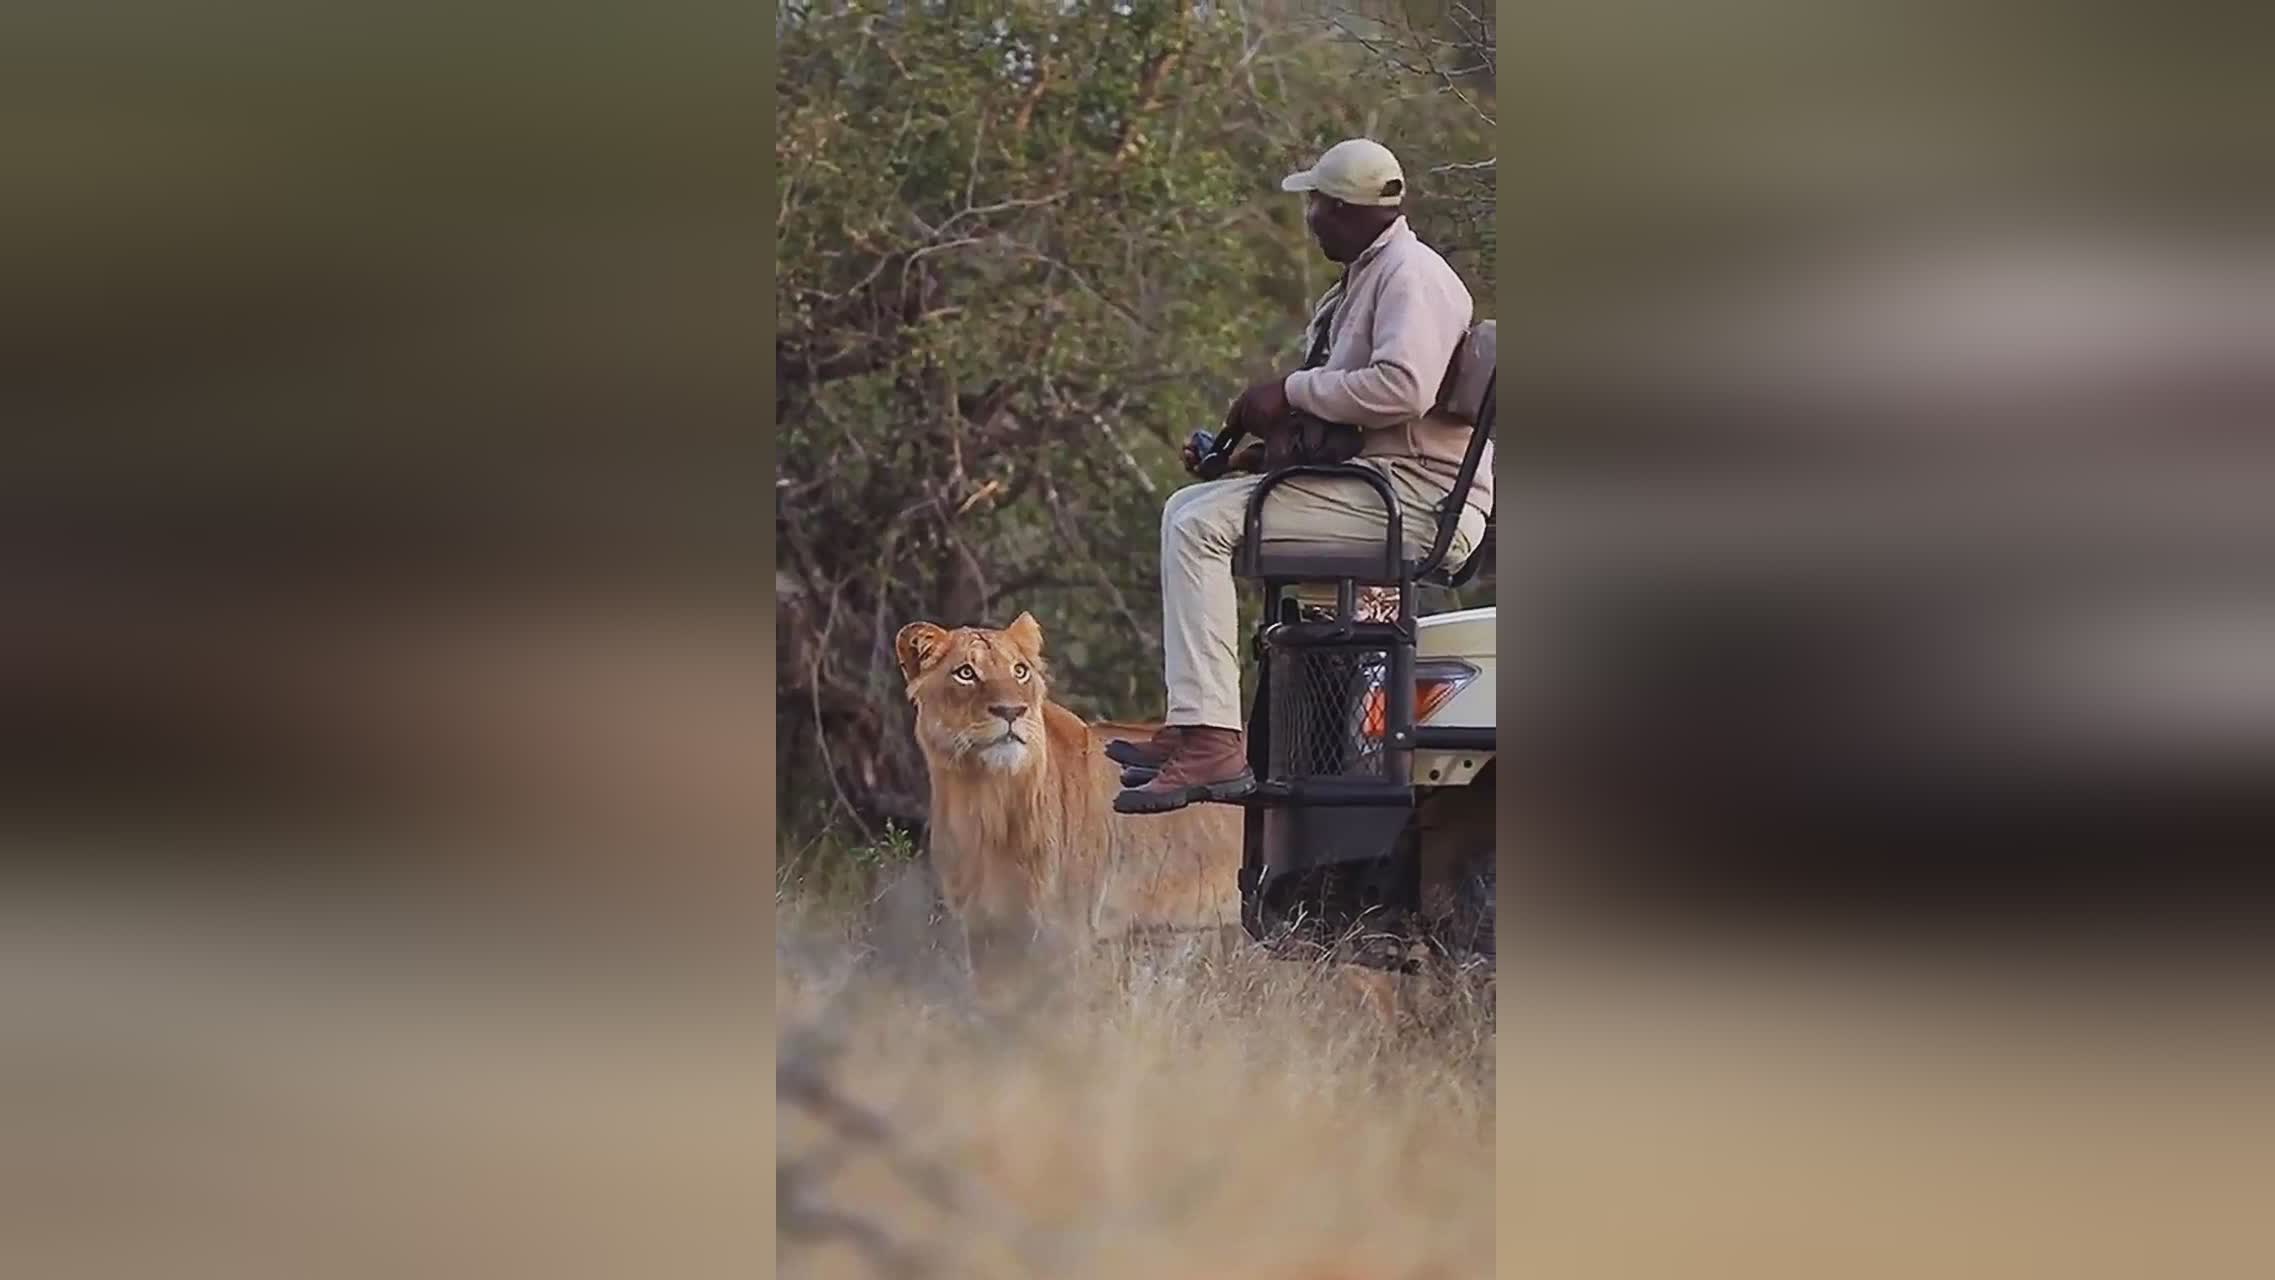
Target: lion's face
(978,693)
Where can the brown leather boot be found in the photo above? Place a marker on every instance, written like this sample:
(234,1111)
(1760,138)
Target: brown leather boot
(1208,764)
(1152,753)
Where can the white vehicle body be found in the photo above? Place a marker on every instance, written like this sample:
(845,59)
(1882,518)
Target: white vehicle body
(1446,644)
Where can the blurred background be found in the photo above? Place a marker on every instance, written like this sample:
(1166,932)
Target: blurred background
(1885,535)
(383,761)
(1888,502)
(383,442)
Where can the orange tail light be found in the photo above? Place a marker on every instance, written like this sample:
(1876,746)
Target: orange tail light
(1430,693)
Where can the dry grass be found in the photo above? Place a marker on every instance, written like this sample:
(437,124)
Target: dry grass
(1159,1113)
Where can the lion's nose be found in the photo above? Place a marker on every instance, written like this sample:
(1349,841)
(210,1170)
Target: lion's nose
(1008,712)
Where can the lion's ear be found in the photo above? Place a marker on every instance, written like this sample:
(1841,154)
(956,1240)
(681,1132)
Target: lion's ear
(918,646)
(1027,634)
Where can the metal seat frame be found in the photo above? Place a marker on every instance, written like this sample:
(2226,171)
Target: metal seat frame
(1386,565)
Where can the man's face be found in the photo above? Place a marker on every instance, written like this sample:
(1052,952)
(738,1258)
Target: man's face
(1343,231)
(1320,218)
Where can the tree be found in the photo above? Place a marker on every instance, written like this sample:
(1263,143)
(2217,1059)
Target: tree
(1442,52)
(1022,249)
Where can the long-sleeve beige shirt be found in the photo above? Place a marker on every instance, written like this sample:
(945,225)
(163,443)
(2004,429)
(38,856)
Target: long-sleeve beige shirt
(1402,314)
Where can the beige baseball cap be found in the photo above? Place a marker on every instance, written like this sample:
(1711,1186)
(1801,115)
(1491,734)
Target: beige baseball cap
(1354,171)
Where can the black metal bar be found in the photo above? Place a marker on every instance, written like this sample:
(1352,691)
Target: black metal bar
(1321,635)
(1398,720)
(1453,738)
(1314,795)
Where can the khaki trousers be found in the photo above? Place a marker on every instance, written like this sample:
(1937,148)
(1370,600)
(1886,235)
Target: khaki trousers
(1200,528)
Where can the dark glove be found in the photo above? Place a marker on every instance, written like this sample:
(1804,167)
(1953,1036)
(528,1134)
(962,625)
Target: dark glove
(1209,454)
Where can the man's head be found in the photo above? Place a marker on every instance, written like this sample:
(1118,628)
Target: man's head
(1353,195)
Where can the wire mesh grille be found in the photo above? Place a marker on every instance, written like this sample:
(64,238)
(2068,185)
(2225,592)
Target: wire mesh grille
(1319,723)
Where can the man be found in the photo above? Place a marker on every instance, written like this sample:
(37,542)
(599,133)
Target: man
(1391,325)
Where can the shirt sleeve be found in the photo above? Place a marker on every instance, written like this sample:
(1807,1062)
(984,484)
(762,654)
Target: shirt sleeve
(1418,321)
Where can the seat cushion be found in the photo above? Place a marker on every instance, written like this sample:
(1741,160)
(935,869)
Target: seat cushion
(1322,562)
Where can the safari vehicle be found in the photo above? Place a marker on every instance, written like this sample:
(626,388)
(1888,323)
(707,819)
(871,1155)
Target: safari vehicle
(1372,739)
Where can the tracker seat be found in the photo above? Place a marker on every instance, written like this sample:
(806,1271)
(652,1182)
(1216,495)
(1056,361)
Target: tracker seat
(1312,740)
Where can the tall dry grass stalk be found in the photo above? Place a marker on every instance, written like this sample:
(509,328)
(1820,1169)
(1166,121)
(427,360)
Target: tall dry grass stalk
(1154,1111)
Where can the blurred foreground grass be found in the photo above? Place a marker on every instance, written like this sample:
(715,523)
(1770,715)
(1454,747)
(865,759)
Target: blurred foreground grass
(1156,1114)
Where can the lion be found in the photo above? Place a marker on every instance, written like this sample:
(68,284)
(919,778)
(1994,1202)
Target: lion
(1024,838)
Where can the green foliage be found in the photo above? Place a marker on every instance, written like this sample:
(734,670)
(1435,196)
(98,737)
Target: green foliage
(1023,249)
(895,848)
(833,868)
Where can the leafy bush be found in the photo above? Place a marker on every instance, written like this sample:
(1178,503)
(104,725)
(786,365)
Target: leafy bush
(1023,249)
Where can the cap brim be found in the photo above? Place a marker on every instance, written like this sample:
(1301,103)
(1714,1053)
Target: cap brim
(1305,181)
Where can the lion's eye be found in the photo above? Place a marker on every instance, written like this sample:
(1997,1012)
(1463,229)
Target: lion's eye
(1020,671)
(966,674)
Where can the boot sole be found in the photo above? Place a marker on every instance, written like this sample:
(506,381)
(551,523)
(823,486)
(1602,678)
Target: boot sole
(1137,801)
(1132,755)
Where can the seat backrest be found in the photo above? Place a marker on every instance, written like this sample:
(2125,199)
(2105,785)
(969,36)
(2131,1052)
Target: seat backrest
(1469,396)
(1462,395)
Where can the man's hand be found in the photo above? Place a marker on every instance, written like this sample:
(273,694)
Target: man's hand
(1261,406)
(1255,411)
(1248,457)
